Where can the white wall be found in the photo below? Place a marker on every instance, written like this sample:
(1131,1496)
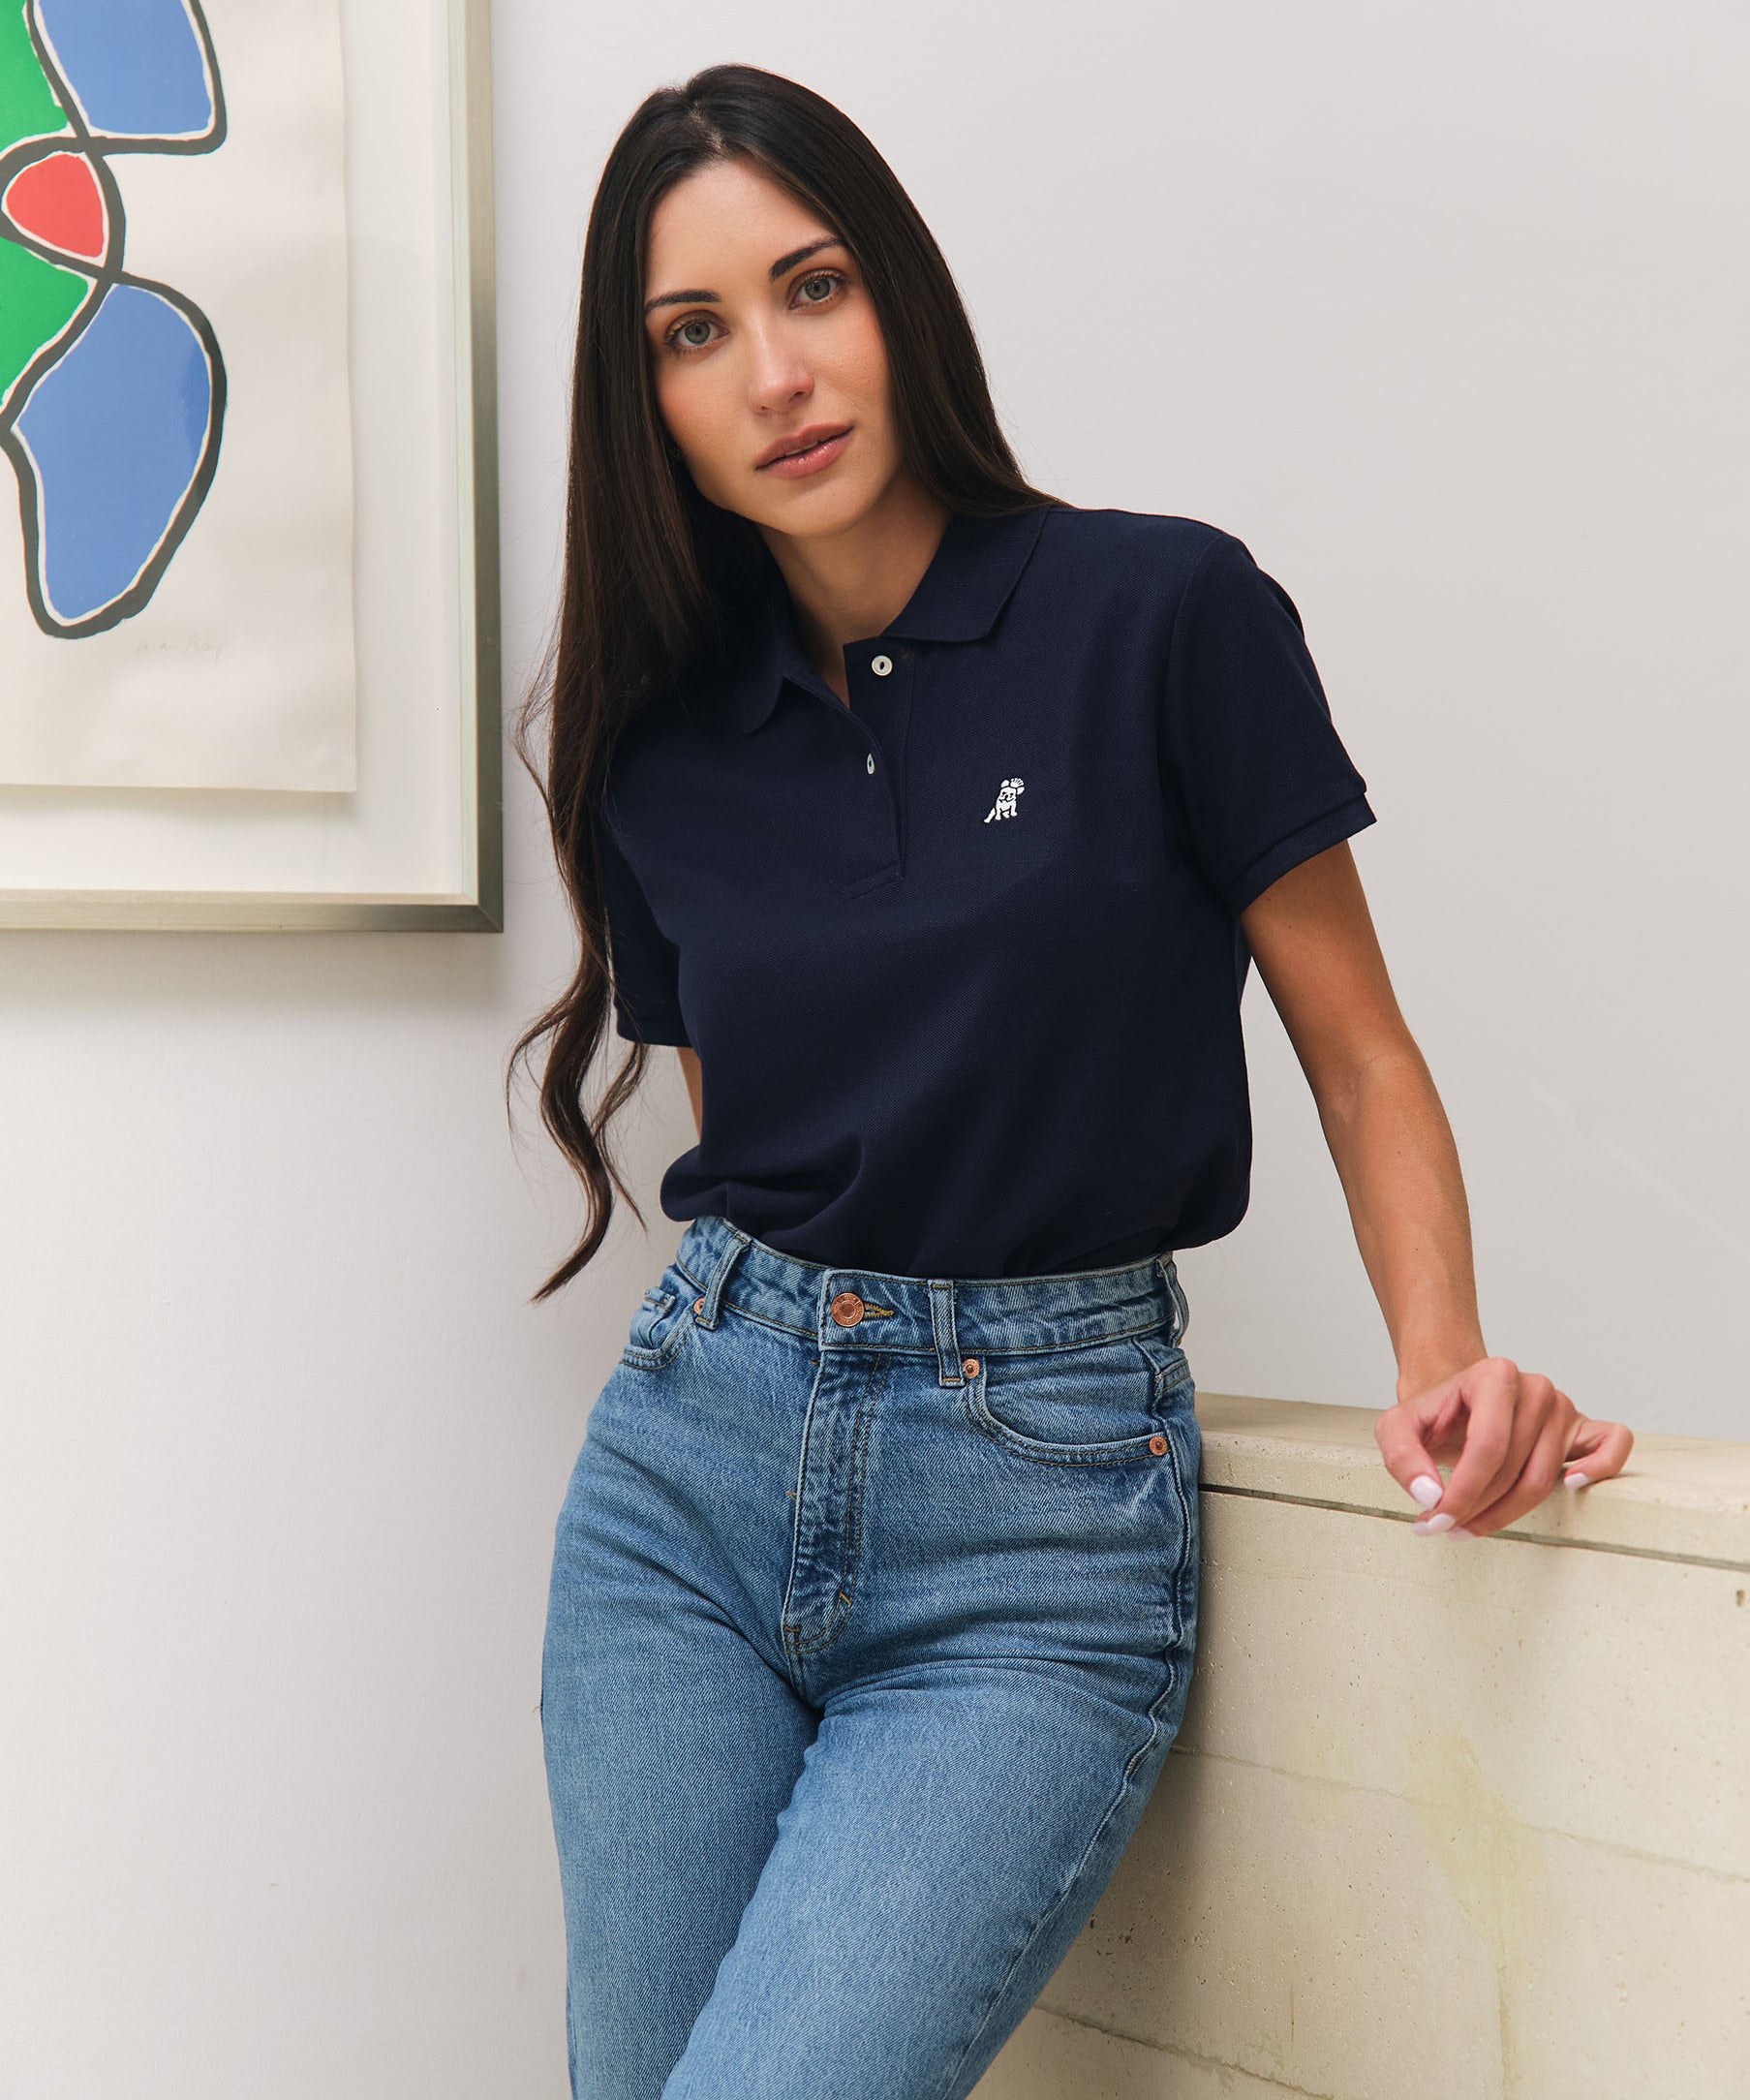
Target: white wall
(1444,314)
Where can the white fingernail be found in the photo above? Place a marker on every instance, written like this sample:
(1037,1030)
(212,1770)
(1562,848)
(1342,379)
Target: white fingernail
(1575,1480)
(1422,1526)
(1426,1490)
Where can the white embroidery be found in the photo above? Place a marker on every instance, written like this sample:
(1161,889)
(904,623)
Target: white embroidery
(1005,799)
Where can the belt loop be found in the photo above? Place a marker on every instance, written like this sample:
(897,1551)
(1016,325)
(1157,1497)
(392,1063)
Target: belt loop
(941,1321)
(739,1243)
(1180,1317)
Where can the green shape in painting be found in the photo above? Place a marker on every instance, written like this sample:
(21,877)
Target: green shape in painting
(36,301)
(28,109)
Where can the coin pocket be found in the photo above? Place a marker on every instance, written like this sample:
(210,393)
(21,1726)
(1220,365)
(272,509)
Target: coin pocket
(659,1327)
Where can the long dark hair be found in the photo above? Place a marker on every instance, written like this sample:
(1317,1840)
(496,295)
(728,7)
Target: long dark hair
(656,576)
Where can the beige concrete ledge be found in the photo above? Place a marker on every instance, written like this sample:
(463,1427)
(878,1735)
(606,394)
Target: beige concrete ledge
(1467,1817)
(1681,1497)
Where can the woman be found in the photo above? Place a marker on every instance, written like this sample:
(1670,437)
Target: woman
(936,823)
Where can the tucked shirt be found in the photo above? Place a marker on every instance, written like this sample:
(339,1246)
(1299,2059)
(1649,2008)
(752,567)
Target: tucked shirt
(962,961)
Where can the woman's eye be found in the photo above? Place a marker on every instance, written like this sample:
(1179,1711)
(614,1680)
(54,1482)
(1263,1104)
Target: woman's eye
(680,340)
(829,278)
(816,289)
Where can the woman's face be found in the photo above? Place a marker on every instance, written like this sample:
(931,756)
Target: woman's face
(761,334)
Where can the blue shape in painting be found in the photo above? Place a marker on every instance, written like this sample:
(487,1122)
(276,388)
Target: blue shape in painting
(137,66)
(116,430)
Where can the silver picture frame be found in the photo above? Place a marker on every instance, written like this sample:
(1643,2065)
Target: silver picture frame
(477,903)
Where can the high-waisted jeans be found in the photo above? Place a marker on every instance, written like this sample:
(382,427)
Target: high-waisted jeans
(873,1613)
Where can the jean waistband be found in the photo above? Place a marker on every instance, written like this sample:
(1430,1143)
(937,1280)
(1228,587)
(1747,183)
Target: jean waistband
(948,1318)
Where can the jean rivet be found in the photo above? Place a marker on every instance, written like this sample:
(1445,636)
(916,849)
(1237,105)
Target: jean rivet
(969,1365)
(1158,1445)
(698,1305)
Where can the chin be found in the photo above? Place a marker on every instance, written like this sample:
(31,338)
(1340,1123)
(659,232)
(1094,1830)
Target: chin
(817,514)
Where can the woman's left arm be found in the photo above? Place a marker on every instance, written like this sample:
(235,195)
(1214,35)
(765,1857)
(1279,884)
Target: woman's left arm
(1508,1432)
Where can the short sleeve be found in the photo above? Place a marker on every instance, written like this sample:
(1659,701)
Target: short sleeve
(1248,747)
(645,963)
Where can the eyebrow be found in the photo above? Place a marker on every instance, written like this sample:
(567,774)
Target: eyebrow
(782,264)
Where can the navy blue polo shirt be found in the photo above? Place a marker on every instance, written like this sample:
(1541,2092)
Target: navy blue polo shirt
(962,961)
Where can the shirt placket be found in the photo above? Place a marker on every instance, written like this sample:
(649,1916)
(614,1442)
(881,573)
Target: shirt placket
(878,678)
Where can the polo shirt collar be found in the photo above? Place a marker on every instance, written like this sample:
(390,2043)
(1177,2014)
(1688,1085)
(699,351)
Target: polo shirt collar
(968,581)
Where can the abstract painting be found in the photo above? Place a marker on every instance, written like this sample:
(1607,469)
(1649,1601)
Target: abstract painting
(111,388)
(174,395)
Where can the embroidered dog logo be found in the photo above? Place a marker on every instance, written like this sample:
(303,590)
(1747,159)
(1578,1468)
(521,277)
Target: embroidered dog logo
(1005,805)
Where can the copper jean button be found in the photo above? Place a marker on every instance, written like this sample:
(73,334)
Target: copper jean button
(846,1309)
(1158,1445)
(969,1366)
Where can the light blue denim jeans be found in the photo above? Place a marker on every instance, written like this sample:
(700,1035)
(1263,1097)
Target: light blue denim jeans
(873,1613)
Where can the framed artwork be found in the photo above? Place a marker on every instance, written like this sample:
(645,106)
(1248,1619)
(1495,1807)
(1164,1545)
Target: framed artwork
(249,617)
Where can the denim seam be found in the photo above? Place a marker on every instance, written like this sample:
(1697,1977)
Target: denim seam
(1189,1509)
(1069,1349)
(860,1433)
(1127,1453)
(1186,1517)
(844,1598)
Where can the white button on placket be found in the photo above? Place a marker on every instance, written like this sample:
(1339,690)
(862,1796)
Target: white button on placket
(871,766)
(881,665)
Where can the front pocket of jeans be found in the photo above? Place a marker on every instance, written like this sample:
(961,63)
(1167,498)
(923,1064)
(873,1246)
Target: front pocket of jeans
(1100,1404)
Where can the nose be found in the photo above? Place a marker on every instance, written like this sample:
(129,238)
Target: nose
(779,378)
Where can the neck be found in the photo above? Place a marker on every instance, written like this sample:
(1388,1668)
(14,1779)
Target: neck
(846,586)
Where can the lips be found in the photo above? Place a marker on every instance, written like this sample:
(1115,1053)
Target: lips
(804,441)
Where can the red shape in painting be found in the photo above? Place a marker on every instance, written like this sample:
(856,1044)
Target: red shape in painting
(56,200)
